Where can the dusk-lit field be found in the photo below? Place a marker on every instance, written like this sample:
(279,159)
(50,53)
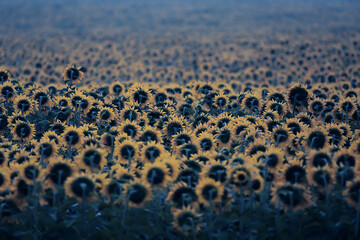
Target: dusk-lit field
(179,119)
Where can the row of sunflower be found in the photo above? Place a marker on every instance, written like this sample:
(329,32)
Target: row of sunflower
(203,149)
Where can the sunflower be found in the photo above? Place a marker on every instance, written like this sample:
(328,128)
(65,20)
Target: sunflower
(23,131)
(256,184)
(116,88)
(224,137)
(282,136)
(181,138)
(58,171)
(172,164)
(112,189)
(335,134)
(126,151)
(31,172)
(293,173)
(188,176)
(73,137)
(298,96)
(174,126)
(256,147)
(46,150)
(156,174)
(346,157)
(220,101)
(319,158)
(4,76)
(290,197)
(353,192)
(182,195)
(137,193)
(217,171)
(251,103)
(23,104)
(92,158)
(152,151)
(149,134)
(131,128)
(187,150)
(73,74)
(321,177)
(295,125)
(186,220)
(41,98)
(317,138)
(7,91)
(279,107)
(316,106)
(123,174)
(140,94)
(347,106)
(4,179)
(209,191)
(106,115)
(239,128)
(81,186)
(306,119)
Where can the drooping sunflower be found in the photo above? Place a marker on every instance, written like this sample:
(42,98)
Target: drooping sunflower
(206,142)
(279,107)
(295,125)
(140,94)
(224,137)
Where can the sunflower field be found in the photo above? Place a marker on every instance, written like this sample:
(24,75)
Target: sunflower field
(179,120)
